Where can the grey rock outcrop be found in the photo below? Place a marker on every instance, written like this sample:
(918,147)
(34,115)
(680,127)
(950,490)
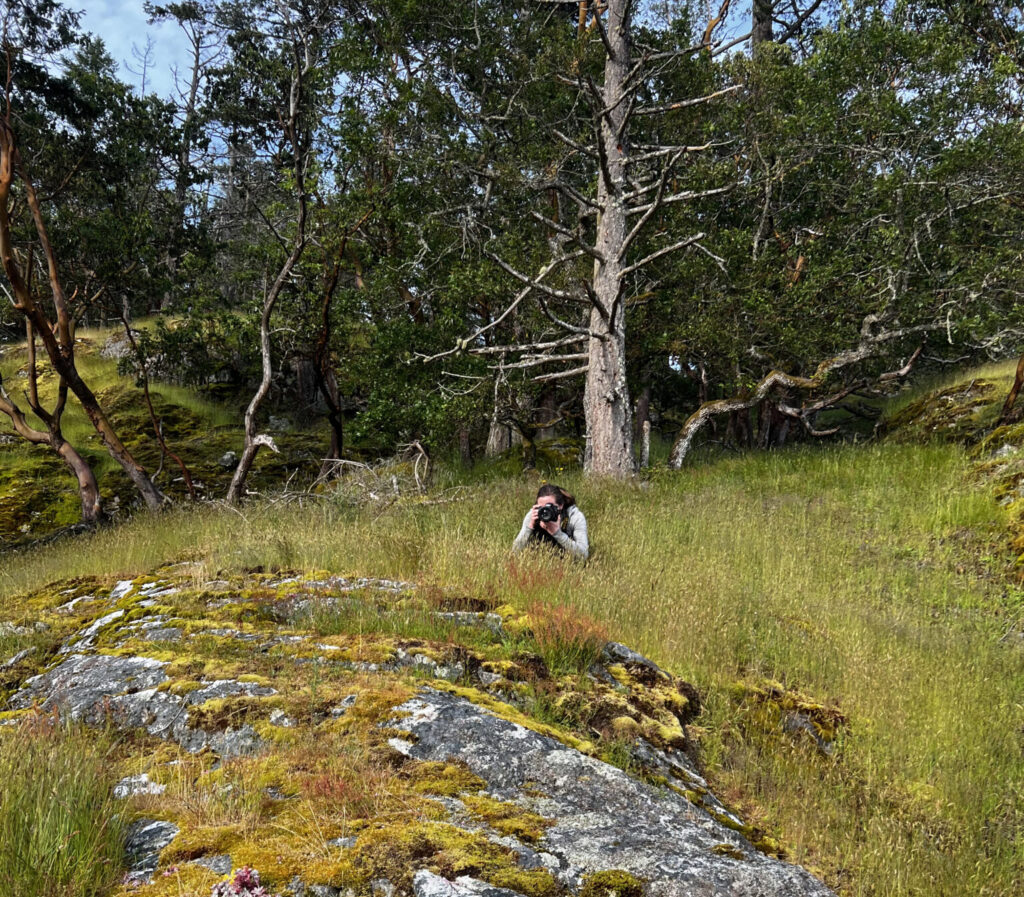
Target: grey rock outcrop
(103,688)
(596,817)
(426,884)
(603,818)
(146,838)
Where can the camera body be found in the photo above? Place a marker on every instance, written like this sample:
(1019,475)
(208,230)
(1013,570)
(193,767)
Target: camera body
(548,513)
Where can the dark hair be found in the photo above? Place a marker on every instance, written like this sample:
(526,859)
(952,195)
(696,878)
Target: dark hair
(564,498)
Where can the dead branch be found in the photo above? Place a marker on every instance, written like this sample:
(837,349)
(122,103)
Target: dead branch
(684,104)
(463,345)
(561,375)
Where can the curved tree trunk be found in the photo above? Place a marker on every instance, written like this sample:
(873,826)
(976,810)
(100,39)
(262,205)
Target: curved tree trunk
(1018,381)
(88,488)
(296,133)
(869,345)
(253,441)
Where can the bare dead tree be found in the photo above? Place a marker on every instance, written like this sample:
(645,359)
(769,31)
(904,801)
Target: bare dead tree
(57,334)
(305,47)
(632,185)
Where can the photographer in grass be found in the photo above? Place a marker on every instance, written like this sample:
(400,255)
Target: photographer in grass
(555,520)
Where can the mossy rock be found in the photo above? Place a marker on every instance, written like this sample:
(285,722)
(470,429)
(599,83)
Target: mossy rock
(962,413)
(776,709)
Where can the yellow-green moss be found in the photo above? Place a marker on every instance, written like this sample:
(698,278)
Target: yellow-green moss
(445,779)
(395,849)
(728,850)
(828,721)
(507,818)
(612,883)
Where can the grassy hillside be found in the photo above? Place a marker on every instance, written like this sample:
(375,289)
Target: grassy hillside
(872,586)
(38,495)
(868,580)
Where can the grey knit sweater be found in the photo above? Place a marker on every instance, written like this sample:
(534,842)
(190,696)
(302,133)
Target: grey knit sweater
(571,537)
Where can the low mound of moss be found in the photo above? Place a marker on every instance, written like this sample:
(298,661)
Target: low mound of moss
(962,413)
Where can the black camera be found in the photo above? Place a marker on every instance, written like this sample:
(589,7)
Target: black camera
(548,513)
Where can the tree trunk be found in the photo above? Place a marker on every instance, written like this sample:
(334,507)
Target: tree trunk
(65,367)
(465,448)
(606,395)
(499,437)
(643,411)
(252,440)
(329,388)
(761,31)
(529,452)
(1018,381)
(88,488)
(547,410)
(58,338)
(296,132)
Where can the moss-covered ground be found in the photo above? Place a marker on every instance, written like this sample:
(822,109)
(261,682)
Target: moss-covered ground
(38,495)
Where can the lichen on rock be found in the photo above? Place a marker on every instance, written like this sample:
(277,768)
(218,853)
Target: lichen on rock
(430,751)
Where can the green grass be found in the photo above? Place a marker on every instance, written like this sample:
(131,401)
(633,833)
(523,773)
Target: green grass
(101,375)
(1001,372)
(60,833)
(414,620)
(869,577)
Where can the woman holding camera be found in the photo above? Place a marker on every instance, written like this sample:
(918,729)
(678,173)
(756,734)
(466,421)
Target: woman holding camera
(555,520)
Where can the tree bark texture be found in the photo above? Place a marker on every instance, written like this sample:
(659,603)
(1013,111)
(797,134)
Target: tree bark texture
(1018,381)
(606,400)
(499,437)
(761,25)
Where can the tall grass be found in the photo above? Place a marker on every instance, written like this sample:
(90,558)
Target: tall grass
(865,576)
(60,834)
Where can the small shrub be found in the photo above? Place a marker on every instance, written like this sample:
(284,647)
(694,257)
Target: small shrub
(60,833)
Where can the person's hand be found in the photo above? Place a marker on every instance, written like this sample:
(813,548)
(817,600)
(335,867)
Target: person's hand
(533,516)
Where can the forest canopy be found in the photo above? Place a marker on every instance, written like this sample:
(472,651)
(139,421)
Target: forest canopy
(463,224)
